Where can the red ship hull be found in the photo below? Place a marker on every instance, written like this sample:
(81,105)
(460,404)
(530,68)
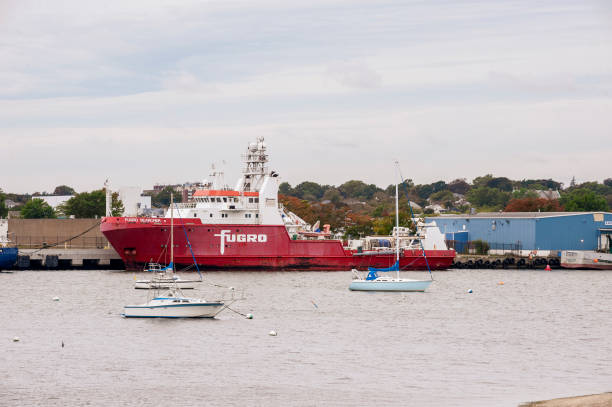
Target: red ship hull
(242,247)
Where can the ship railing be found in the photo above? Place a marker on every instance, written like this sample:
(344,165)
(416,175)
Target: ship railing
(185,205)
(61,242)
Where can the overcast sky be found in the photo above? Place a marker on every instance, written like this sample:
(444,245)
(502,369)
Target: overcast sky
(154,91)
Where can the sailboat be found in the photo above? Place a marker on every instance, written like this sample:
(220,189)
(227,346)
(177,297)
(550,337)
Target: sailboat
(374,282)
(170,302)
(164,277)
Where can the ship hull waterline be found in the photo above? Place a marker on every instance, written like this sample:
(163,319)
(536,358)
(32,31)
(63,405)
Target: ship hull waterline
(248,247)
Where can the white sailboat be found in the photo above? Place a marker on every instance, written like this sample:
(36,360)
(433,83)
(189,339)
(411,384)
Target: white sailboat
(169,302)
(164,277)
(374,282)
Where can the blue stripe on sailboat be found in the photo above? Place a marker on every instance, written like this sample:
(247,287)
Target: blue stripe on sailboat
(373,272)
(210,304)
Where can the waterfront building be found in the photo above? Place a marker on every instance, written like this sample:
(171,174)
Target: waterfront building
(523,233)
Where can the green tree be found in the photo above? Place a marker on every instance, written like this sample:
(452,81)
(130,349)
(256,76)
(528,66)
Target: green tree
(37,209)
(91,204)
(384,226)
(358,190)
(583,200)
(459,186)
(310,191)
(486,197)
(502,183)
(285,189)
(3,208)
(63,190)
(444,197)
(333,195)
(162,198)
(482,181)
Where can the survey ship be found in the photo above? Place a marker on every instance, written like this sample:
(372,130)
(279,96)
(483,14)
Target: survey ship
(247,228)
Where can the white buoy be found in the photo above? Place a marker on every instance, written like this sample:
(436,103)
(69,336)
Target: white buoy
(249,316)
(55,298)
(16,339)
(272,333)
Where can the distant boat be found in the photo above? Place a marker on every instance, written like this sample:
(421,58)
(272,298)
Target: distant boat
(162,279)
(171,303)
(374,282)
(586,259)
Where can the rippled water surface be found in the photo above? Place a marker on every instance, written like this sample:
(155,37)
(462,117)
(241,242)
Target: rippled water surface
(539,335)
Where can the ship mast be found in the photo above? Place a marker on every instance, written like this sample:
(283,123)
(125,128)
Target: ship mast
(255,169)
(397,241)
(171,232)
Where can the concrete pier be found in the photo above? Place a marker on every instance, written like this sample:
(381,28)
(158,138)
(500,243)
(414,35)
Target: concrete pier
(67,258)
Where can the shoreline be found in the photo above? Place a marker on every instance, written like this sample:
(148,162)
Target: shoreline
(592,400)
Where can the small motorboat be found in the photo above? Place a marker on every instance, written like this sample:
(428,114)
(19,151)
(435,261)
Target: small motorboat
(164,278)
(172,304)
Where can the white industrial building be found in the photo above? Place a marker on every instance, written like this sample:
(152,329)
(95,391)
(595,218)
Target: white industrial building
(133,201)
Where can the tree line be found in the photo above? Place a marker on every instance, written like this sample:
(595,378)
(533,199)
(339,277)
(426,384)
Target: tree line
(359,208)
(81,205)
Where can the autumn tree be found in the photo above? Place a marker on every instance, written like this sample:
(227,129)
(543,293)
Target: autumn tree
(533,205)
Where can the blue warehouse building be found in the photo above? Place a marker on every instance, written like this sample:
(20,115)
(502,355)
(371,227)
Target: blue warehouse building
(529,231)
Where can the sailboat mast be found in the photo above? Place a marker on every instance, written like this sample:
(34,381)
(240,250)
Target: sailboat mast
(172,230)
(397,229)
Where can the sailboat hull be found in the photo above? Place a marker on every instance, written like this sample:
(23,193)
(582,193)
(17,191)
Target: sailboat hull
(152,284)
(390,285)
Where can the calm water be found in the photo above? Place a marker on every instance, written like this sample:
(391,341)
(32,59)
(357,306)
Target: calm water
(538,336)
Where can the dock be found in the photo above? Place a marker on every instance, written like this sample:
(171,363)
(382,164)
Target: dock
(60,258)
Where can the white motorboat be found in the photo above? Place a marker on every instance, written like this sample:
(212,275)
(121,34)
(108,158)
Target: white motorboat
(374,282)
(172,304)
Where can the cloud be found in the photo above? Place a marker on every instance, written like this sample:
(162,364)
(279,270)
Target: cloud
(353,74)
(453,88)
